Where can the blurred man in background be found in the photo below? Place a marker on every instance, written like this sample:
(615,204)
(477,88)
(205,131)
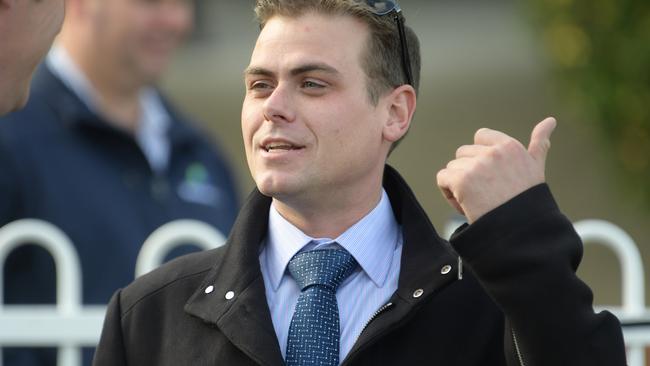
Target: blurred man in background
(27,28)
(102,155)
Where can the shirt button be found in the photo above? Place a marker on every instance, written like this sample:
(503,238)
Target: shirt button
(230,295)
(209,289)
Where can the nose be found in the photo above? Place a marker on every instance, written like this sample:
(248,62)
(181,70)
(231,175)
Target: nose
(279,106)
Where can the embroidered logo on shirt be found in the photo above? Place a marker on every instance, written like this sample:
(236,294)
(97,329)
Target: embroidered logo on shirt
(197,186)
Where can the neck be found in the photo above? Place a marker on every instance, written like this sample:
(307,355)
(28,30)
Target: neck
(330,216)
(122,109)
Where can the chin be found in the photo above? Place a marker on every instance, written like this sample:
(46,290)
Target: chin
(272,186)
(267,189)
(154,67)
(16,104)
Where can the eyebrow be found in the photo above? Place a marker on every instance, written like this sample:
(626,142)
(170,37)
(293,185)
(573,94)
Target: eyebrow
(295,71)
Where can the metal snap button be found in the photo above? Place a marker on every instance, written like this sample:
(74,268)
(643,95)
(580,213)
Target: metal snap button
(418,293)
(209,289)
(446,269)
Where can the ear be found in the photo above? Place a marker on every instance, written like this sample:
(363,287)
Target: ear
(401,106)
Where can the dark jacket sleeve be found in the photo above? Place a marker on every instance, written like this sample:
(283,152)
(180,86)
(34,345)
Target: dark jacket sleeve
(525,254)
(110,351)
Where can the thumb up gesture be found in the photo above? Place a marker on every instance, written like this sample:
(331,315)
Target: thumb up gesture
(494,169)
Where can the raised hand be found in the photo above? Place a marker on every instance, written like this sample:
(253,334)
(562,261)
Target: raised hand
(494,169)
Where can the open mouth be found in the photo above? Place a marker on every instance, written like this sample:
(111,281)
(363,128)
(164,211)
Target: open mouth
(281,147)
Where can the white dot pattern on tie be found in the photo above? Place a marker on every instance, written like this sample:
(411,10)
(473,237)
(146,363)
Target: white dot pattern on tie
(314,329)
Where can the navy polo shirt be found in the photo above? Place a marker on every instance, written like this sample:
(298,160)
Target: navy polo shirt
(61,163)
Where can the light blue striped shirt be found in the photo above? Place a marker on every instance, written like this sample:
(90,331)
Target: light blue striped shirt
(375,242)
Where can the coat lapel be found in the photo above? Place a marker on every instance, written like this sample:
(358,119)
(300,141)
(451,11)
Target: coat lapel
(428,264)
(237,303)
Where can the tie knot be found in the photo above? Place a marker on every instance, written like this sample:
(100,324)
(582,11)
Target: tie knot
(327,267)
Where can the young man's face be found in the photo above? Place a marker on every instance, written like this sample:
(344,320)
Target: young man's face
(27,30)
(310,130)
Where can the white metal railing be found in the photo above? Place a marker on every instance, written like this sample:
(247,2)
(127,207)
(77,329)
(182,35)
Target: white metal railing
(41,325)
(38,325)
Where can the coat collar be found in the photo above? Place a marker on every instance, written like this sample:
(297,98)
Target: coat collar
(245,318)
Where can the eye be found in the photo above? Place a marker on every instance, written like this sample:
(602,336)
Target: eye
(260,88)
(311,84)
(260,85)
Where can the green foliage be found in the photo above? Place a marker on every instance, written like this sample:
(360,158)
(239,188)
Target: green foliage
(600,53)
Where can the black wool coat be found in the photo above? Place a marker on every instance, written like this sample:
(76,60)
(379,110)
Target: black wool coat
(518,303)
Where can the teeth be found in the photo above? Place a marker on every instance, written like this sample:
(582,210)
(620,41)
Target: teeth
(278,146)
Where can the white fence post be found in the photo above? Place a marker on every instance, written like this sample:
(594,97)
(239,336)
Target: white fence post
(172,234)
(633,279)
(16,320)
(68,324)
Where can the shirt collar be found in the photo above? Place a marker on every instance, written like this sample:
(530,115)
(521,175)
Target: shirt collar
(152,130)
(371,241)
(155,118)
(61,64)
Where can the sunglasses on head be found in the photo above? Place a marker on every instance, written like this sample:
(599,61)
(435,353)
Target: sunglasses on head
(382,8)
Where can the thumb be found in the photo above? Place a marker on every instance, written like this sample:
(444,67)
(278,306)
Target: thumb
(540,139)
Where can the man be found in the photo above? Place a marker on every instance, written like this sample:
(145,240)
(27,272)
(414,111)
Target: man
(333,261)
(99,153)
(27,28)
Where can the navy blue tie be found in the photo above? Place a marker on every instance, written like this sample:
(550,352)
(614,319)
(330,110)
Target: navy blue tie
(314,329)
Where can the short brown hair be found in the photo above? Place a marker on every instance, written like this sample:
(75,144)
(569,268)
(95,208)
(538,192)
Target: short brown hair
(382,61)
